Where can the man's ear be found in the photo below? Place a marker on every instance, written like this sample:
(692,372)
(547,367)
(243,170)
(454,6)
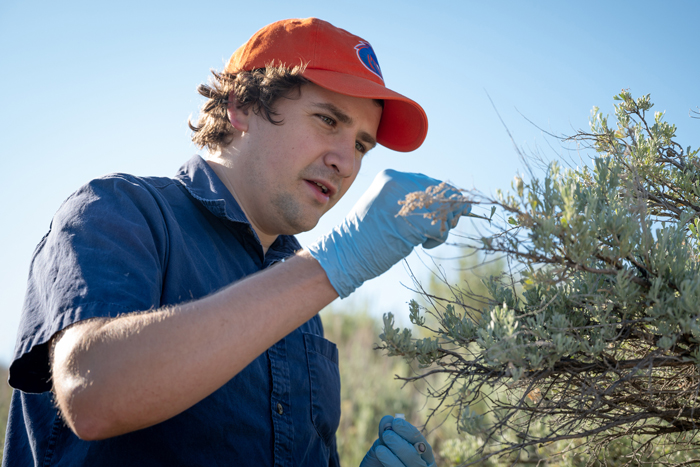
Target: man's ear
(237,115)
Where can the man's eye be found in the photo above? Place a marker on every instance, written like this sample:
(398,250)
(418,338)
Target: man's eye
(327,120)
(360,147)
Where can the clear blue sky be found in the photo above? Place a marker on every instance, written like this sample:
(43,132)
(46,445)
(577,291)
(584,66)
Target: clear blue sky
(88,88)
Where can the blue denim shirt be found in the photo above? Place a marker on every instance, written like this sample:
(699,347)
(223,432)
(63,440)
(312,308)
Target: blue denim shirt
(123,243)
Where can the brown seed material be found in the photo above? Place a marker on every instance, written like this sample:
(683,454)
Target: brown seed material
(424,200)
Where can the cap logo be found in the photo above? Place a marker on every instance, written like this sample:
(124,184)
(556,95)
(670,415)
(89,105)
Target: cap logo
(368,58)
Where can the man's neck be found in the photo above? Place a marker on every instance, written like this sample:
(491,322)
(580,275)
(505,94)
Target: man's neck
(224,169)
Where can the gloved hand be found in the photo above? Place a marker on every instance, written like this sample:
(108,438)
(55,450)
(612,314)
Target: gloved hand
(372,238)
(401,445)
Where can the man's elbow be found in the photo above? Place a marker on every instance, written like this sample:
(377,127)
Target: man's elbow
(73,400)
(89,428)
(76,393)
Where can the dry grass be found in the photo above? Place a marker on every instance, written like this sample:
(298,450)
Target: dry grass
(5,394)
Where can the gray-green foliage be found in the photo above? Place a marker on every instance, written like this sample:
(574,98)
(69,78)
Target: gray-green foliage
(594,333)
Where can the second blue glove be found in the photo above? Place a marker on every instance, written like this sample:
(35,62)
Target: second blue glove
(399,444)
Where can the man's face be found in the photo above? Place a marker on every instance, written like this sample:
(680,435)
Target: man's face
(287,176)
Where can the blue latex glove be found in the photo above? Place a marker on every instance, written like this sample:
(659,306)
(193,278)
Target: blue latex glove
(400,444)
(372,238)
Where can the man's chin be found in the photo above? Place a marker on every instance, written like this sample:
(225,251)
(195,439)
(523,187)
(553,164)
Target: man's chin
(301,227)
(300,224)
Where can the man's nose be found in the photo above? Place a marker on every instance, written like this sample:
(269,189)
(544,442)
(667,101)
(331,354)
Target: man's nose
(342,157)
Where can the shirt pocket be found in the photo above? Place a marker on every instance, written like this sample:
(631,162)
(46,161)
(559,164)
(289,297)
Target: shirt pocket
(324,383)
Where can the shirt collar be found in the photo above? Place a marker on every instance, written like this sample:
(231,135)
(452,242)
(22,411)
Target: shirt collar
(206,187)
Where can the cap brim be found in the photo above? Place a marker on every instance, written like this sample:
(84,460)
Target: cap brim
(403,126)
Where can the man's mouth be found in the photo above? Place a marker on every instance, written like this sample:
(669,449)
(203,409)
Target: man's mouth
(323,187)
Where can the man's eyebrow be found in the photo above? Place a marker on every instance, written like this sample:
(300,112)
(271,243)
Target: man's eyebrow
(367,138)
(344,118)
(341,116)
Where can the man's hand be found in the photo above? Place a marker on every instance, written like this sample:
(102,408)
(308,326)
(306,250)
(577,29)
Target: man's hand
(399,444)
(372,238)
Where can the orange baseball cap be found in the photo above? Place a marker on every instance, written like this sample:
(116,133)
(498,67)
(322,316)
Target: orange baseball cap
(338,61)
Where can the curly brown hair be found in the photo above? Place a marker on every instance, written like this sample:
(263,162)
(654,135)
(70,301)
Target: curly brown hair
(257,89)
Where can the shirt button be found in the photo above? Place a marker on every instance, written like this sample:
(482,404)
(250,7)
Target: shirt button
(280,410)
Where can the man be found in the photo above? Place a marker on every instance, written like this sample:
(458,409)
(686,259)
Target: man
(153,318)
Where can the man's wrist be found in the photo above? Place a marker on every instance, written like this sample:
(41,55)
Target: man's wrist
(317,268)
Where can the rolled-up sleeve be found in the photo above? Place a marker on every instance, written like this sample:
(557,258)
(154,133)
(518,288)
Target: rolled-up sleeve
(104,255)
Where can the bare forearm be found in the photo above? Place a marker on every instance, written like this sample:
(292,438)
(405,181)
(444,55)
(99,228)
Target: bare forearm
(113,377)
